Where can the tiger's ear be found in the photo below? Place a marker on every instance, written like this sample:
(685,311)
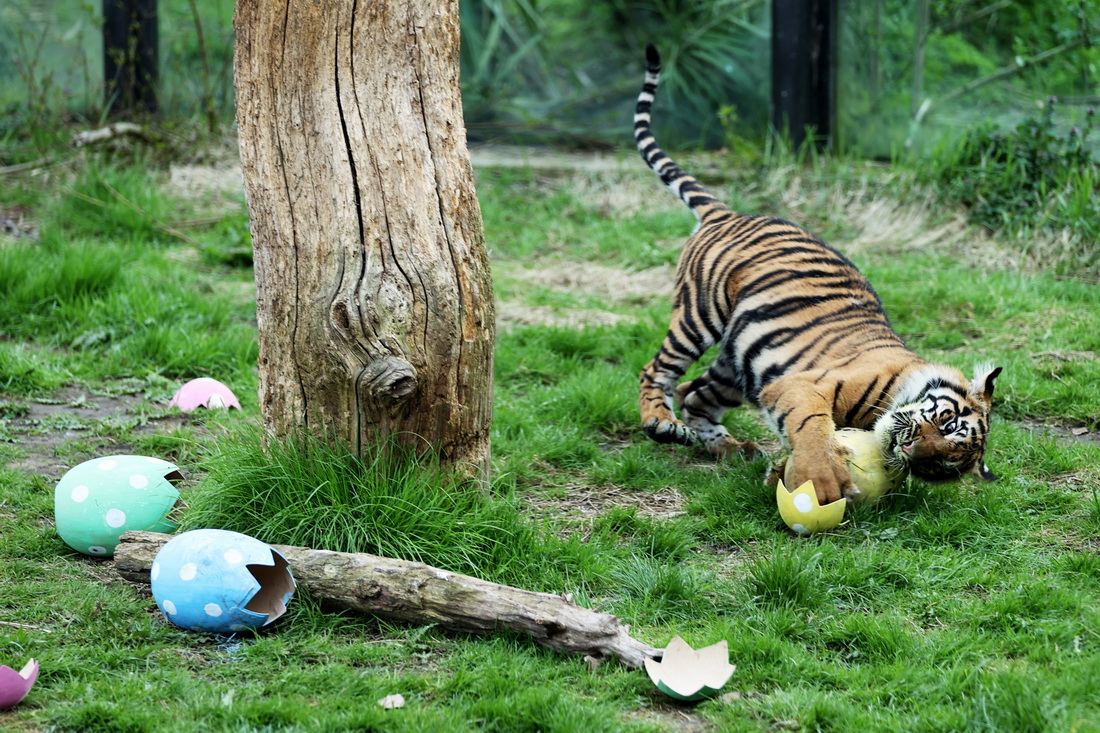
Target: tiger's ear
(985,378)
(982,470)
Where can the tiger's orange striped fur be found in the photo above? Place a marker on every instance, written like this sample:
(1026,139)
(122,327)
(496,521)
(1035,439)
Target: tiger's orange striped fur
(803,336)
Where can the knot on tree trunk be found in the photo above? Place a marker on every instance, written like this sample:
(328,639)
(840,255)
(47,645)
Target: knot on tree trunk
(388,377)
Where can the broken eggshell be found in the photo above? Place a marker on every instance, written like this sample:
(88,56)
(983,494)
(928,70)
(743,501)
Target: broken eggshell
(220,581)
(14,686)
(204,392)
(690,674)
(802,513)
(96,501)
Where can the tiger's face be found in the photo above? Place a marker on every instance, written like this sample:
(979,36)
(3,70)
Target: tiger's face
(937,426)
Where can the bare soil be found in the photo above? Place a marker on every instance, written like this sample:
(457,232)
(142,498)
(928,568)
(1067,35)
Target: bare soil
(52,434)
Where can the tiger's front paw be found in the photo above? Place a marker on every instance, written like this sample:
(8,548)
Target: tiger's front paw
(829,474)
(669,431)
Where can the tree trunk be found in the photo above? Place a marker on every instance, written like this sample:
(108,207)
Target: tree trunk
(412,592)
(803,53)
(374,298)
(130,56)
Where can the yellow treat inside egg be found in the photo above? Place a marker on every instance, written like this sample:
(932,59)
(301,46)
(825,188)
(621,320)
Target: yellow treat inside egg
(867,466)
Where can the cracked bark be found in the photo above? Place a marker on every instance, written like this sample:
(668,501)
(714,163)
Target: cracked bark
(374,299)
(412,592)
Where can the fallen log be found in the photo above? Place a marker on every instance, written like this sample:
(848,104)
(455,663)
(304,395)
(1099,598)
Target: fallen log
(415,593)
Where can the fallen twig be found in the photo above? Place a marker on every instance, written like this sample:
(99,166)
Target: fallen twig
(25,627)
(170,230)
(32,165)
(116,129)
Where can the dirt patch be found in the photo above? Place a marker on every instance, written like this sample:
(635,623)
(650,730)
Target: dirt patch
(15,222)
(609,283)
(511,315)
(209,186)
(42,429)
(587,502)
(615,287)
(1063,433)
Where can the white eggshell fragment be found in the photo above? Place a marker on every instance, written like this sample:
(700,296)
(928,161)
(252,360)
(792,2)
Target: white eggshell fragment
(96,501)
(220,581)
(690,674)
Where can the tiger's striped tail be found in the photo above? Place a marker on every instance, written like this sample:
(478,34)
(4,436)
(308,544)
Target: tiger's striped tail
(690,191)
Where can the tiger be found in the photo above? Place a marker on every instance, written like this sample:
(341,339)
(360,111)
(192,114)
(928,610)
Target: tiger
(803,337)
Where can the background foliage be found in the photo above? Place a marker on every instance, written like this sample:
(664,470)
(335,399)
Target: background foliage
(561,69)
(564,72)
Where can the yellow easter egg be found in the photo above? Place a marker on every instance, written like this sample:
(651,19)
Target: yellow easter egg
(867,466)
(802,513)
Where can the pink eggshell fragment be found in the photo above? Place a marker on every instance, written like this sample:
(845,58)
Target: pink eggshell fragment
(204,392)
(14,686)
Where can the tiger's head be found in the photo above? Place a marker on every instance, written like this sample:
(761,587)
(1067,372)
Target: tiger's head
(937,423)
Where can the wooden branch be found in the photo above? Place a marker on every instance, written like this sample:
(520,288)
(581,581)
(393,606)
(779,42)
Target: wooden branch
(24,167)
(1013,69)
(117,129)
(415,593)
(25,627)
(922,111)
(976,15)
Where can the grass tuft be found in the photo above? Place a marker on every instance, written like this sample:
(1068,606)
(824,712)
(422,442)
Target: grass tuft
(312,492)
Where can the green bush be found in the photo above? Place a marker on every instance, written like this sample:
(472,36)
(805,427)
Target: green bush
(1030,178)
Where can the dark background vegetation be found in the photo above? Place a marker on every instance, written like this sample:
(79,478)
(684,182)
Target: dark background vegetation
(965,102)
(560,70)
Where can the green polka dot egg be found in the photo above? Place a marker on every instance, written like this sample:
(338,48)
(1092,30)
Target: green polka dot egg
(98,500)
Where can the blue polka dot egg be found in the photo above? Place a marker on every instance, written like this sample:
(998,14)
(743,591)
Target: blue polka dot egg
(219,581)
(98,500)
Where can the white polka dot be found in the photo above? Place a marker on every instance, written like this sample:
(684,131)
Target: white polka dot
(80,493)
(138,481)
(97,550)
(107,465)
(116,518)
(169,607)
(212,609)
(800,529)
(215,401)
(240,627)
(188,571)
(233,557)
(154,572)
(803,503)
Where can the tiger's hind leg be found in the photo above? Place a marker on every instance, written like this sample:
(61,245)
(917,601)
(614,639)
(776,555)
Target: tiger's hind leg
(702,404)
(655,403)
(659,378)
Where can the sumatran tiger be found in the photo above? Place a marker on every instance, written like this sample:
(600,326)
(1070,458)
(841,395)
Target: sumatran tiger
(802,336)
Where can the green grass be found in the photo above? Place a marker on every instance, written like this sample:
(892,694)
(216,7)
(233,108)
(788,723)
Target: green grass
(967,606)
